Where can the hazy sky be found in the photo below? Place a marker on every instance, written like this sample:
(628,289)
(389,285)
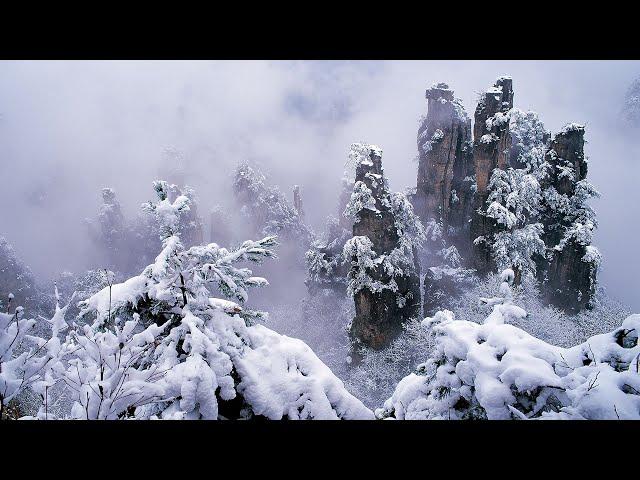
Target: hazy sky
(69,128)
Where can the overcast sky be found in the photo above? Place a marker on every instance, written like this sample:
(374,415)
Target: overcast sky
(69,128)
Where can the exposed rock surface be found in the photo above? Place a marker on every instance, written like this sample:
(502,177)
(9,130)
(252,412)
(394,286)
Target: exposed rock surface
(491,145)
(445,164)
(569,277)
(381,313)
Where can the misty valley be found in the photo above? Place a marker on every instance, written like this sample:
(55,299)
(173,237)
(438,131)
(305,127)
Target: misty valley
(475,293)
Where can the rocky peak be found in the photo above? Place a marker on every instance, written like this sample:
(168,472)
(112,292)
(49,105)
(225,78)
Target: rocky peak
(566,158)
(491,131)
(377,224)
(569,275)
(491,146)
(443,190)
(391,291)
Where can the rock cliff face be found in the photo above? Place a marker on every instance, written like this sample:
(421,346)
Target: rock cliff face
(445,165)
(491,145)
(381,313)
(569,274)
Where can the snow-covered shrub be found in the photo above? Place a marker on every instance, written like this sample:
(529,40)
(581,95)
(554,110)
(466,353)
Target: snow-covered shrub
(29,366)
(106,372)
(374,377)
(495,370)
(324,260)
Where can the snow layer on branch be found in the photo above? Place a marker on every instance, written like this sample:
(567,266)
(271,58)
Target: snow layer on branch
(282,377)
(122,294)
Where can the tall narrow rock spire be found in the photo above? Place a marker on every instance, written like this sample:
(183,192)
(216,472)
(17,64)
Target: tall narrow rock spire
(491,145)
(384,273)
(569,275)
(444,160)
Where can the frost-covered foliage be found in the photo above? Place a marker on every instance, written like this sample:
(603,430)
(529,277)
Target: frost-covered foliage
(107,372)
(529,140)
(371,269)
(325,259)
(325,263)
(494,370)
(191,227)
(428,144)
(544,321)
(30,364)
(364,260)
(361,198)
(127,246)
(266,207)
(574,218)
(84,285)
(513,200)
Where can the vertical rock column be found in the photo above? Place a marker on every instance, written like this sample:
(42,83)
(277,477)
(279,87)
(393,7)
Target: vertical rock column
(570,276)
(444,160)
(491,145)
(380,314)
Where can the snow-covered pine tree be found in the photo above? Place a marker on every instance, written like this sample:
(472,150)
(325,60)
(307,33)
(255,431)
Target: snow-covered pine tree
(514,201)
(384,271)
(191,227)
(205,356)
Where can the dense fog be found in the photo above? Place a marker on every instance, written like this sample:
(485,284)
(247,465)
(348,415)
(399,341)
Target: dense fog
(69,128)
